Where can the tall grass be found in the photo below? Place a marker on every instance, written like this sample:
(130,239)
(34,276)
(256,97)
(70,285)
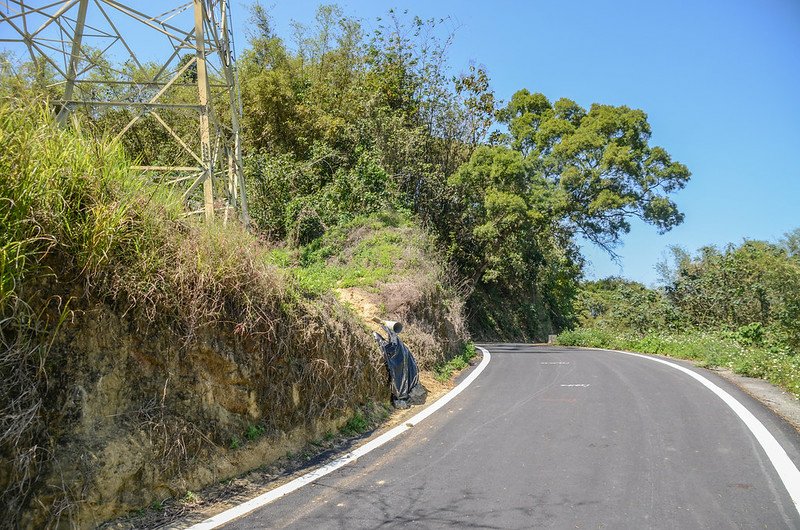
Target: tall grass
(79,227)
(68,207)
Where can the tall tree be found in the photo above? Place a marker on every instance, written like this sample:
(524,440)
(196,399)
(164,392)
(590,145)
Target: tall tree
(600,160)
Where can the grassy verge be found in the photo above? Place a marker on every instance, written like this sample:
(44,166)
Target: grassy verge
(710,349)
(384,265)
(444,371)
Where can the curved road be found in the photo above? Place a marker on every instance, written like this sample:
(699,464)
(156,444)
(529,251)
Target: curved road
(555,437)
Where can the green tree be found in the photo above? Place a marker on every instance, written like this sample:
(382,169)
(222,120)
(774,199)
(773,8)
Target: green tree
(791,243)
(600,160)
(344,110)
(619,304)
(560,170)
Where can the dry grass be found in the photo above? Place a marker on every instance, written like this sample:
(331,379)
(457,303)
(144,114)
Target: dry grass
(81,232)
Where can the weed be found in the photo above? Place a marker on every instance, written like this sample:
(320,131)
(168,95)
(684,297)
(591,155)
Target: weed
(190,499)
(254,432)
(235,442)
(357,424)
(443,372)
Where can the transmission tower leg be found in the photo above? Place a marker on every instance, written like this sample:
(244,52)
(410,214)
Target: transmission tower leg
(235,170)
(74,57)
(203,93)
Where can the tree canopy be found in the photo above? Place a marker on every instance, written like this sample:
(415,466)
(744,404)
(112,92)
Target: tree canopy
(348,119)
(599,161)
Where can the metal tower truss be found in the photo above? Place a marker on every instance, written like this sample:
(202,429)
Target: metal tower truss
(162,82)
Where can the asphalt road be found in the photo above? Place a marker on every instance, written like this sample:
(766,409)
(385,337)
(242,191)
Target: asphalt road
(556,437)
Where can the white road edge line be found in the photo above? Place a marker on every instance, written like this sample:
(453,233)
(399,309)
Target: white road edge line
(265,498)
(786,469)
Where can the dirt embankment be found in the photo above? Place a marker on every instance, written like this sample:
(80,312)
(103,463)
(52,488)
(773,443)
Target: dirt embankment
(183,511)
(145,353)
(138,414)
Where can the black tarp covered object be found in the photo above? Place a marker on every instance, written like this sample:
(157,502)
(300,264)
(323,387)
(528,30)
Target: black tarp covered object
(403,372)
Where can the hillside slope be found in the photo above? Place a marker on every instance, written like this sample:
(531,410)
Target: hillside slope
(145,354)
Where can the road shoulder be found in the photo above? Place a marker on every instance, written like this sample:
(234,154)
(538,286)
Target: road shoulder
(779,401)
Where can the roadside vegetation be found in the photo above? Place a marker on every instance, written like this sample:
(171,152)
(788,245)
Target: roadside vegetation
(737,308)
(347,120)
(84,237)
(444,371)
(383,182)
(385,265)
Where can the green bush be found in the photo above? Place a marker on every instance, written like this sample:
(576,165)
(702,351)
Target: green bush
(751,334)
(444,371)
(753,288)
(357,424)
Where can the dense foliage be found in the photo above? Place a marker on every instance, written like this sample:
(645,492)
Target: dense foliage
(738,307)
(349,122)
(752,289)
(619,304)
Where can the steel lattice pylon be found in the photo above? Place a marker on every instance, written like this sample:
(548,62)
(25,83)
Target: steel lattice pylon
(96,53)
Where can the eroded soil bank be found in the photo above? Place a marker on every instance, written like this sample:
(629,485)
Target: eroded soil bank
(137,414)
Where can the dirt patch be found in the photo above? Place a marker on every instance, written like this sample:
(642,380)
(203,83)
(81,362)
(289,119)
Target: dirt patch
(362,305)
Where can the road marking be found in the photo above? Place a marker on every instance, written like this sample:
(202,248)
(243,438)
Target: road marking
(787,471)
(554,362)
(272,495)
(559,400)
(584,385)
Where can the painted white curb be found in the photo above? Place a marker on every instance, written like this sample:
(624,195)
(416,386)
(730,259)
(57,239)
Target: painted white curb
(787,471)
(263,499)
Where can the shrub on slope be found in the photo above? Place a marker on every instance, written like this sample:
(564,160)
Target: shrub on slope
(385,266)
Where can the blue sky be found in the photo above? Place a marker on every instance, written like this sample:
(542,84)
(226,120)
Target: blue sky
(719,80)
